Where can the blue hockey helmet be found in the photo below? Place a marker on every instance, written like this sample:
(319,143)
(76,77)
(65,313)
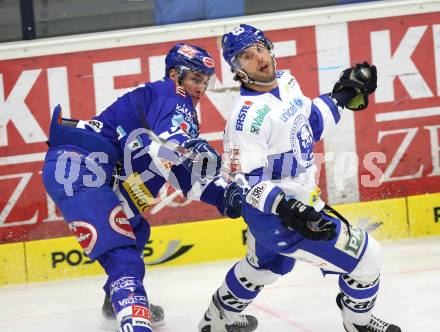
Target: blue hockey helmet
(186,57)
(239,39)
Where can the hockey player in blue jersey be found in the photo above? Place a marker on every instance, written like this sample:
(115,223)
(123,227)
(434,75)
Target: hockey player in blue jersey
(104,173)
(269,138)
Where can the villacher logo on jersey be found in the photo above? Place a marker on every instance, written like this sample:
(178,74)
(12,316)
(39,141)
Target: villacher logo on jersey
(85,233)
(119,222)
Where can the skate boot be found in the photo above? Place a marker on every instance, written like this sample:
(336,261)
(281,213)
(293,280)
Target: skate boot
(214,321)
(157,313)
(375,324)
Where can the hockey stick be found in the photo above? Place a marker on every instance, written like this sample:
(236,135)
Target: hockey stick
(181,151)
(337,214)
(224,171)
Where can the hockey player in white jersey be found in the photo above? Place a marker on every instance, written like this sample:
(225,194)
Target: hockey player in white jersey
(269,141)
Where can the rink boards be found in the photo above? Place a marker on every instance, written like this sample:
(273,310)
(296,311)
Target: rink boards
(390,150)
(203,241)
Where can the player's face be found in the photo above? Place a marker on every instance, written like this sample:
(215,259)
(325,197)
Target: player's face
(195,83)
(258,63)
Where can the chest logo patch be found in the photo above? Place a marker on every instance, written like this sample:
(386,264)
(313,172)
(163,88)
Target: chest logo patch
(302,141)
(184,118)
(259,119)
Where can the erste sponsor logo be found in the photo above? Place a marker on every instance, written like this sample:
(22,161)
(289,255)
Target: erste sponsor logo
(242,115)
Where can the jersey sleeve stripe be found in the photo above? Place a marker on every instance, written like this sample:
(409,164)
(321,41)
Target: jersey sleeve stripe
(316,122)
(328,112)
(270,199)
(255,176)
(262,196)
(332,107)
(277,168)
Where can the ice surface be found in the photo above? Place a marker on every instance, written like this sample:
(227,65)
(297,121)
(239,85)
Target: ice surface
(301,301)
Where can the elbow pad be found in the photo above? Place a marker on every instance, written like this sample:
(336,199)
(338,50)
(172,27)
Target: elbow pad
(265,197)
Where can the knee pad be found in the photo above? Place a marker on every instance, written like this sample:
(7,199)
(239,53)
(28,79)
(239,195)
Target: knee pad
(369,266)
(251,277)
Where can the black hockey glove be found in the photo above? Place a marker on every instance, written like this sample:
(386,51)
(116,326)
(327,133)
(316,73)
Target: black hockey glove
(205,162)
(305,220)
(232,201)
(361,78)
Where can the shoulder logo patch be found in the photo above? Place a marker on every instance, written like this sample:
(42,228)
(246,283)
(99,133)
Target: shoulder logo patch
(180,90)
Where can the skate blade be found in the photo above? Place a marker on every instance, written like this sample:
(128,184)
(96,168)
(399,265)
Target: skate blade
(108,324)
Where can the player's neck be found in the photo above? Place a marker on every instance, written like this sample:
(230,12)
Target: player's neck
(261,88)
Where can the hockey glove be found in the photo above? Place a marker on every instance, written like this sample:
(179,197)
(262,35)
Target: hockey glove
(205,162)
(361,78)
(305,220)
(232,201)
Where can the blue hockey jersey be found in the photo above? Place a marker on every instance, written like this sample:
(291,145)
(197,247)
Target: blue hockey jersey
(166,109)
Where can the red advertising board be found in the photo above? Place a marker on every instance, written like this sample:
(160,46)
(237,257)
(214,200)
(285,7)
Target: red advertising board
(402,122)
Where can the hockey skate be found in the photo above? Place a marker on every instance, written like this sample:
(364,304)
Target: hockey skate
(109,323)
(213,321)
(375,325)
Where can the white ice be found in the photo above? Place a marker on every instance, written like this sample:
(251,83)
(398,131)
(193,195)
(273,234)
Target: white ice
(301,301)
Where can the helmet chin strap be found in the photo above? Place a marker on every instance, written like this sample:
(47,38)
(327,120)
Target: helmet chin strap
(246,79)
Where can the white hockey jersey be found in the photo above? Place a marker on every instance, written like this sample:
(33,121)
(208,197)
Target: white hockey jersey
(269,140)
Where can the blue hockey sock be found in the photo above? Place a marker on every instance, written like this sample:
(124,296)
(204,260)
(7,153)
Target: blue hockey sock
(126,271)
